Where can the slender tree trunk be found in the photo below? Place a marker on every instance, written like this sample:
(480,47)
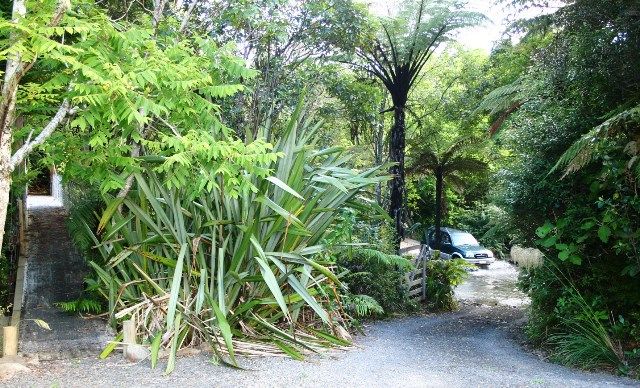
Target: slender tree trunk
(378,146)
(438,205)
(5,186)
(7,114)
(396,185)
(14,71)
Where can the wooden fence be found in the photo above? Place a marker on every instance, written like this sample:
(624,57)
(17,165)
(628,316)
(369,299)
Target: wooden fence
(417,278)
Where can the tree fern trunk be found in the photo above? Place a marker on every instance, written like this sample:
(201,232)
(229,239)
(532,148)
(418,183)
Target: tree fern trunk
(396,185)
(438,205)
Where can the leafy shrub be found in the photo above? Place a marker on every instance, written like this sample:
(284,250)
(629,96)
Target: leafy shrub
(442,278)
(378,275)
(214,266)
(577,326)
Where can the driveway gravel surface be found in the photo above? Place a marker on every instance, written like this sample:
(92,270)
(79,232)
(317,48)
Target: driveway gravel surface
(479,345)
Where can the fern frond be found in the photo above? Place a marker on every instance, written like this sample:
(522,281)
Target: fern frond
(583,151)
(82,305)
(501,99)
(461,144)
(373,256)
(465,164)
(364,305)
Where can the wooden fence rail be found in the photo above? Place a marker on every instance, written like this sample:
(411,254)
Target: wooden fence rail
(417,278)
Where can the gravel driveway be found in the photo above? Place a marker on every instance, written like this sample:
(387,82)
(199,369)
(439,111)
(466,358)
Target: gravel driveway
(476,346)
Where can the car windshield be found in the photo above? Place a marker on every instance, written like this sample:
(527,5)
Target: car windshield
(463,239)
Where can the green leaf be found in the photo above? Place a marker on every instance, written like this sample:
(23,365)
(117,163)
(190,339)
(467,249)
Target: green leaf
(155,349)
(108,213)
(289,350)
(225,329)
(175,286)
(284,187)
(604,232)
(111,346)
(331,338)
(550,241)
(544,230)
(175,326)
(575,259)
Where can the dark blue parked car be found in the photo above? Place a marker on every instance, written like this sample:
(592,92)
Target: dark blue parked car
(462,245)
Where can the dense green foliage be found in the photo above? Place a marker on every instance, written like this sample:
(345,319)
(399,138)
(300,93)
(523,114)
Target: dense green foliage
(442,278)
(220,212)
(218,266)
(576,97)
(378,275)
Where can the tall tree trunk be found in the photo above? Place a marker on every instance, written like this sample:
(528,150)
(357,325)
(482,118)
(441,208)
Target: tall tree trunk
(5,182)
(396,185)
(378,146)
(438,205)
(14,71)
(7,114)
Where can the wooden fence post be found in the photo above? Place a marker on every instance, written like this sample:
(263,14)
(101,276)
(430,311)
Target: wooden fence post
(4,321)
(424,278)
(10,341)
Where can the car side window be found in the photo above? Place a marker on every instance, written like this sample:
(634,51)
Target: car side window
(445,238)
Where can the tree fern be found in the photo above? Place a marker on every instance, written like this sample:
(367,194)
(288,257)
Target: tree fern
(584,150)
(502,98)
(372,256)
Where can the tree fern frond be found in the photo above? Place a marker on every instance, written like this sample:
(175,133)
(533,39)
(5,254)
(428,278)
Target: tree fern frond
(458,146)
(582,152)
(578,155)
(502,99)
(465,164)
(426,160)
(377,257)
(456,182)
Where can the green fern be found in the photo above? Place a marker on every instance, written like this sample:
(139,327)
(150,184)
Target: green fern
(83,215)
(81,305)
(363,305)
(585,149)
(502,98)
(372,256)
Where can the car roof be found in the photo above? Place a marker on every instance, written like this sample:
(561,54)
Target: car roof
(449,230)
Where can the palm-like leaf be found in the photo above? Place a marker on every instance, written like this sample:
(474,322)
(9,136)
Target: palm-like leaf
(464,164)
(583,151)
(425,160)
(221,268)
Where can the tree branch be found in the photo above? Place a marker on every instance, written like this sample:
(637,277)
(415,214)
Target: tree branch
(20,154)
(13,76)
(187,16)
